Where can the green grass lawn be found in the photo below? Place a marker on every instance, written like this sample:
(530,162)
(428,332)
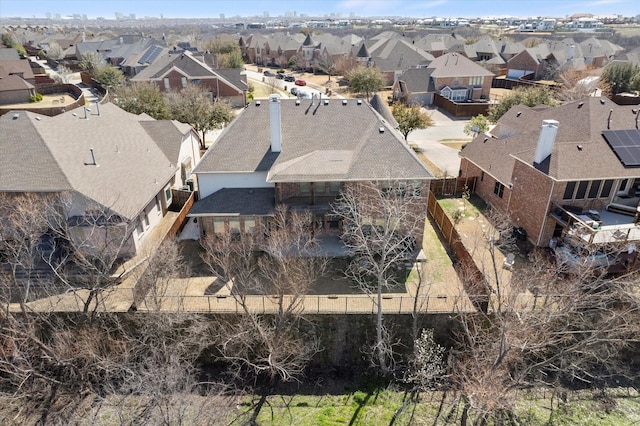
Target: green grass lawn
(377,407)
(472,207)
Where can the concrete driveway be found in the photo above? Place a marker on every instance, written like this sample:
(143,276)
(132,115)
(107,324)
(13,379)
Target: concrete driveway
(428,140)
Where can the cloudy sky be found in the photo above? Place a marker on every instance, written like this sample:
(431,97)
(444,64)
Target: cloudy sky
(364,8)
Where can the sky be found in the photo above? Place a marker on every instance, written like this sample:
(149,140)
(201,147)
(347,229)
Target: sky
(361,8)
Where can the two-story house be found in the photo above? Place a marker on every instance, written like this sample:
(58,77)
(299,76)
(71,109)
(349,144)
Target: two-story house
(301,154)
(452,76)
(567,172)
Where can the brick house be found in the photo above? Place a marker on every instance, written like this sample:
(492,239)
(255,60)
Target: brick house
(560,173)
(452,76)
(17,82)
(301,154)
(174,71)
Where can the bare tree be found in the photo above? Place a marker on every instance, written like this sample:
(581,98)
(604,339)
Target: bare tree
(578,84)
(380,224)
(542,327)
(281,267)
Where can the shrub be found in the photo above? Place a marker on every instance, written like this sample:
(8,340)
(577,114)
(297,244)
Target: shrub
(35,98)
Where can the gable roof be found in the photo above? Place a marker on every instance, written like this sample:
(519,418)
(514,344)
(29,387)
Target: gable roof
(581,124)
(418,80)
(131,167)
(396,54)
(191,66)
(333,142)
(456,65)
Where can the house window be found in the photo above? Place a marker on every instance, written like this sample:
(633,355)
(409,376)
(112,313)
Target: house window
(305,187)
(416,188)
(606,188)
(334,187)
(184,81)
(401,190)
(234,228)
(333,221)
(569,190)
(476,81)
(386,188)
(145,218)
(218,225)
(319,187)
(158,206)
(459,95)
(595,188)
(482,176)
(195,81)
(498,189)
(139,228)
(167,195)
(250,225)
(582,189)
(167,85)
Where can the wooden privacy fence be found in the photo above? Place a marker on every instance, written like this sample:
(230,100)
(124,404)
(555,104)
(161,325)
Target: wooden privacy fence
(452,185)
(466,109)
(473,280)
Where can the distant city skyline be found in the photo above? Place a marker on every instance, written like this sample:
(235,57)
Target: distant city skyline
(344,8)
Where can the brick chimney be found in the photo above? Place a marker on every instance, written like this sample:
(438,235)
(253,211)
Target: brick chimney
(546,140)
(275,123)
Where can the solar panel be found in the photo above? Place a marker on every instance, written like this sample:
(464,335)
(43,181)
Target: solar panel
(150,55)
(625,144)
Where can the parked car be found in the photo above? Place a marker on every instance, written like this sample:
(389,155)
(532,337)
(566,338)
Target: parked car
(294,91)
(289,78)
(279,76)
(268,73)
(301,83)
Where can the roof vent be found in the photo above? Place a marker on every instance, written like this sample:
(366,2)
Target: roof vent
(38,118)
(579,147)
(344,102)
(485,140)
(326,102)
(297,101)
(257,103)
(381,129)
(602,101)
(580,104)
(359,101)
(16,116)
(518,114)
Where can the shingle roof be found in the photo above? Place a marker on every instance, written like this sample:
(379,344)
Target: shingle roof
(26,163)
(397,54)
(167,135)
(579,125)
(456,65)
(240,201)
(333,142)
(418,80)
(192,67)
(131,169)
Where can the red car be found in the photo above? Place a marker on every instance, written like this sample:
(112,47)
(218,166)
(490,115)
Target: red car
(301,83)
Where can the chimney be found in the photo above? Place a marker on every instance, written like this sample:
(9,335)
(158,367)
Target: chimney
(572,49)
(275,123)
(546,140)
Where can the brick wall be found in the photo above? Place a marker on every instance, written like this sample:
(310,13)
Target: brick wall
(524,61)
(441,82)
